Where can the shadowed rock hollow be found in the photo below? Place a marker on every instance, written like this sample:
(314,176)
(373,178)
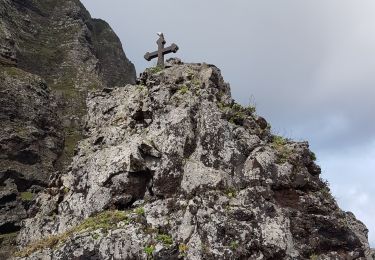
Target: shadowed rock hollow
(173,168)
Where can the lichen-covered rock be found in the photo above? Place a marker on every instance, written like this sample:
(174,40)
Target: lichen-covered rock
(194,175)
(31,140)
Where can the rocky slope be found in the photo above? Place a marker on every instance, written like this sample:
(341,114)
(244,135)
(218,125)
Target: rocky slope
(40,126)
(172,168)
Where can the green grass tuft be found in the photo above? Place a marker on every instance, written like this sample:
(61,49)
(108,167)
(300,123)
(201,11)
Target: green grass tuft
(313,156)
(149,250)
(284,152)
(234,245)
(165,239)
(105,221)
(183,90)
(140,211)
(27,196)
(155,69)
(182,249)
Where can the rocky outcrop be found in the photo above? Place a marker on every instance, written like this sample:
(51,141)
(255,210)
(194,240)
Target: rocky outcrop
(173,168)
(31,140)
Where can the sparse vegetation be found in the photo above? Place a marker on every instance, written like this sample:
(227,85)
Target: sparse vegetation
(149,250)
(104,221)
(8,235)
(165,239)
(196,82)
(284,152)
(66,190)
(234,245)
(236,112)
(140,211)
(155,69)
(326,193)
(314,257)
(278,140)
(141,88)
(313,156)
(182,249)
(26,196)
(95,236)
(231,193)
(183,90)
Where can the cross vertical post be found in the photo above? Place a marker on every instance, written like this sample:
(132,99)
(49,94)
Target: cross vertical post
(161,42)
(161,51)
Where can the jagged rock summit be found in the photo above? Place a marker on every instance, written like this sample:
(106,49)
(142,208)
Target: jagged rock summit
(173,168)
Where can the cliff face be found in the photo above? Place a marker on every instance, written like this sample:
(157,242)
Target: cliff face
(173,168)
(59,41)
(62,55)
(31,140)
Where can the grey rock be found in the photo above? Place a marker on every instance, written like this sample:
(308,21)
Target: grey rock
(192,182)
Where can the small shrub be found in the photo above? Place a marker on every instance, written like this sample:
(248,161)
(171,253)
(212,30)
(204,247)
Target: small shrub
(314,257)
(234,245)
(278,140)
(284,153)
(140,211)
(231,193)
(313,156)
(27,196)
(155,69)
(326,193)
(149,250)
(182,249)
(165,239)
(190,74)
(223,107)
(141,88)
(236,112)
(196,82)
(183,90)
(95,236)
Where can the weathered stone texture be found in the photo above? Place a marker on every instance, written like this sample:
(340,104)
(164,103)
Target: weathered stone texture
(198,177)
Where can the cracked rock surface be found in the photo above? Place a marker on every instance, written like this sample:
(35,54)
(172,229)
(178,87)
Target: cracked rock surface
(173,168)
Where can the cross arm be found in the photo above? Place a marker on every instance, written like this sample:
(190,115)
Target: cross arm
(173,48)
(149,56)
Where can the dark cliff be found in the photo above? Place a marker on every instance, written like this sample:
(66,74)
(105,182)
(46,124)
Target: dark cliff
(62,55)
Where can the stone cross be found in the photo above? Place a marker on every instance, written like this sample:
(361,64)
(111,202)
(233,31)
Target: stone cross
(161,51)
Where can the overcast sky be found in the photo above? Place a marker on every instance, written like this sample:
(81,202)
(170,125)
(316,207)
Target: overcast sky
(308,65)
